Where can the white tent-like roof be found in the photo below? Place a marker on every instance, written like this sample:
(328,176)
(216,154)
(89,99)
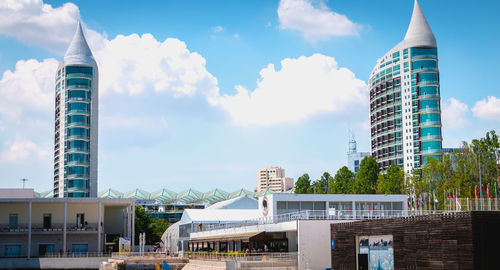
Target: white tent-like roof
(242,202)
(218,215)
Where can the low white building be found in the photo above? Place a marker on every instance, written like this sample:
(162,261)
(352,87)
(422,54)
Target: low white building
(296,223)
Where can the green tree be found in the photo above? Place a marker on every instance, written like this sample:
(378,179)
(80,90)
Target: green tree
(320,186)
(341,183)
(303,184)
(392,182)
(144,223)
(365,181)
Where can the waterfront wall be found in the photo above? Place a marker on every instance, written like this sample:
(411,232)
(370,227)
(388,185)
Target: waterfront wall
(52,263)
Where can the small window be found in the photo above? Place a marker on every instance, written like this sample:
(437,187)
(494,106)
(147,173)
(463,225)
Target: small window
(47,221)
(13,221)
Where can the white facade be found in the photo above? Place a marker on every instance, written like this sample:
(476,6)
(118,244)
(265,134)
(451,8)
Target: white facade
(76,126)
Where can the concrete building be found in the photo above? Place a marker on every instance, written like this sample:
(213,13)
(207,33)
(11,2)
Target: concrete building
(273,179)
(34,227)
(353,156)
(76,121)
(405,111)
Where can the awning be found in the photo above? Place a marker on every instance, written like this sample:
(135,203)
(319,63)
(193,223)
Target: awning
(227,237)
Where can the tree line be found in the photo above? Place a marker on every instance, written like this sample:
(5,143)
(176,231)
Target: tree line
(456,174)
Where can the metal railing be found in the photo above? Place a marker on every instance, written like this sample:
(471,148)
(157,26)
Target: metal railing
(244,260)
(331,214)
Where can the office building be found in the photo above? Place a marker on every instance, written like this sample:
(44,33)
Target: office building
(405,112)
(76,117)
(273,179)
(353,156)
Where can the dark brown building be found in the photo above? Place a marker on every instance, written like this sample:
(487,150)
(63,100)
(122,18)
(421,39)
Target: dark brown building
(461,240)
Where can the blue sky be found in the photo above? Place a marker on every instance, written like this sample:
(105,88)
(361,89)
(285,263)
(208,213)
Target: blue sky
(233,86)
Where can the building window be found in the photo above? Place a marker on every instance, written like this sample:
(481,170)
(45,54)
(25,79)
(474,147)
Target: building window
(47,221)
(80,220)
(12,250)
(13,221)
(80,248)
(45,249)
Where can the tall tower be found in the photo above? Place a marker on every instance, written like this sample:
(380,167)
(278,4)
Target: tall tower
(76,117)
(405,112)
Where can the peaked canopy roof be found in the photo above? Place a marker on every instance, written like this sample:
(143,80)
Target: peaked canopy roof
(78,52)
(419,32)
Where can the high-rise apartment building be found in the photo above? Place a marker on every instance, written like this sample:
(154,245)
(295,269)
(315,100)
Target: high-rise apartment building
(405,111)
(273,179)
(76,117)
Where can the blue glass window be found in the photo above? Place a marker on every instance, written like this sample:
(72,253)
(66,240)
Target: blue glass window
(424,65)
(79,107)
(78,131)
(78,194)
(428,104)
(78,118)
(79,94)
(78,183)
(77,69)
(431,145)
(78,83)
(430,117)
(78,157)
(78,170)
(431,52)
(431,132)
(428,90)
(427,77)
(78,145)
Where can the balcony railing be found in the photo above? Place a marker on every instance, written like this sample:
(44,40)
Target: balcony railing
(58,227)
(78,75)
(430,151)
(429,109)
(430,123)
(78,86)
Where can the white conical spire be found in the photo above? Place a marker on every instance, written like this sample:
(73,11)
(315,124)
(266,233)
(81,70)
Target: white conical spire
(78,51)
(419,32)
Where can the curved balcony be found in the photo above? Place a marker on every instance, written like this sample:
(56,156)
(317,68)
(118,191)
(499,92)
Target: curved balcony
(78,137)
(426,96)
(430,123)
(78,176)
(78,163)
(79,75)
(428,82)
(78,86)
(430,137)
(80,99)
(424,69)
(430,151)
(424,56)
(430,109)
(78,111)
(77,150)
(76,124)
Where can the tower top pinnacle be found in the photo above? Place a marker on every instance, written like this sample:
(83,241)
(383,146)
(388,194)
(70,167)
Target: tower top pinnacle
(419,32)
(78,51)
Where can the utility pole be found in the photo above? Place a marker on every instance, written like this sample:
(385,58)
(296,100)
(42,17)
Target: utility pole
(24,180)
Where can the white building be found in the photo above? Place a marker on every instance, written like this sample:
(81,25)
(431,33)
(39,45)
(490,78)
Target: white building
(405,111)
(274,179)
(76,114)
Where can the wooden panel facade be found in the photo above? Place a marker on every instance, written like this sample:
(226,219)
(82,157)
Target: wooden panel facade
(462,240)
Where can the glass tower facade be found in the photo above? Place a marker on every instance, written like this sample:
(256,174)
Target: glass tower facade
(76,116)
(405,111)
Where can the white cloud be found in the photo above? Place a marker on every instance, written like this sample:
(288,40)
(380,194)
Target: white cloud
(315,22)
(303,87)
(23,151)
(217,29)
(133,64)
(36,23)
(453,113)
(487,108)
